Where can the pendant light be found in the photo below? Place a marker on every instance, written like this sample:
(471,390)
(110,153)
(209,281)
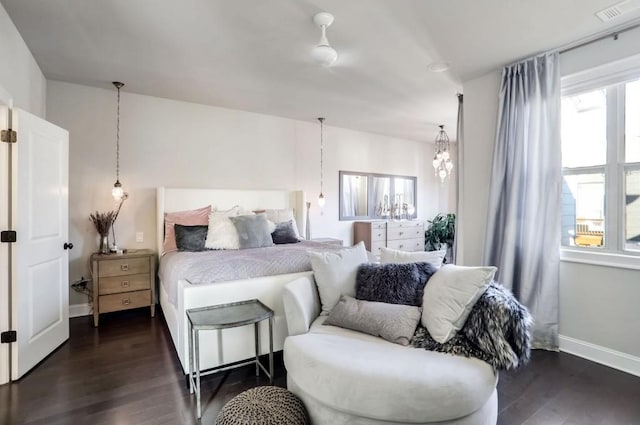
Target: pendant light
(118,192)
(442,159)
(321,200)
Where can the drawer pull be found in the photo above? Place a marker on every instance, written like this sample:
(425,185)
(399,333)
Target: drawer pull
(400,246)
(126,301)
(124,267)
(401,233)
(125,283)
(379,234)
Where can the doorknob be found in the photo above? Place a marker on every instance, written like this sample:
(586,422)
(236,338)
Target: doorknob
(68,245)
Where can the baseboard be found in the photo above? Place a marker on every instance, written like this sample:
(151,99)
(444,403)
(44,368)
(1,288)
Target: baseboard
(606,356)
(78,310)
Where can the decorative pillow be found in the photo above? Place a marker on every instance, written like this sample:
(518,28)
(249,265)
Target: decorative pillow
(187,218)
(395,323)
(335,273)
(388,255)
(393,283)
(282,215)
(449,297)
(222,233)
(190,238)
(284,233)
(253,231)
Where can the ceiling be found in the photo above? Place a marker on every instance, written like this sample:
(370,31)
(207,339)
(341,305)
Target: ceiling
(253,55)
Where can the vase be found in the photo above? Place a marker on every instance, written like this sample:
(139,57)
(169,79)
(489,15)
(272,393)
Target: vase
(104,244)
(307,227)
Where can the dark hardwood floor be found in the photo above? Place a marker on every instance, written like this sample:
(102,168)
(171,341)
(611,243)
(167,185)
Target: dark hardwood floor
(126,372)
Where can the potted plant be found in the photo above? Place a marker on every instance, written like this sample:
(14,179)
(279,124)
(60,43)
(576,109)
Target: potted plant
(440,233)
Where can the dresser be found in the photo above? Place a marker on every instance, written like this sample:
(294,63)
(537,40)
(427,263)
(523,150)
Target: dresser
(401,235)
(123,282)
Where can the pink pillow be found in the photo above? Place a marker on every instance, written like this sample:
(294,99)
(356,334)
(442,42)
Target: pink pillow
(186,218)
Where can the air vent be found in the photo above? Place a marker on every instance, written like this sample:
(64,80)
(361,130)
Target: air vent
(618,10)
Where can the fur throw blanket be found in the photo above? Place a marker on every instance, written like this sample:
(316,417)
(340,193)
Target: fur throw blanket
(497,331)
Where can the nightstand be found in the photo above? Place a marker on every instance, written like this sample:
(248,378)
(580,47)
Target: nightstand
(330,241)
(123,281)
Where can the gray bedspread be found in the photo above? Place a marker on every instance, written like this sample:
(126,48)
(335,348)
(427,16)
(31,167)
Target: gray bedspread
(227,265)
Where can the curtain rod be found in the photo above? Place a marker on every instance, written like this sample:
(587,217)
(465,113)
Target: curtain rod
(613,34)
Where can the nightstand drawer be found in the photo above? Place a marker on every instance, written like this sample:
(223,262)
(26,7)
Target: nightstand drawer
(124,301)
(115,284)
(376,248)
(416,244)
(123,266)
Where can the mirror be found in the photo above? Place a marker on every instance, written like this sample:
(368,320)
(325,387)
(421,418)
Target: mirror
(377,196)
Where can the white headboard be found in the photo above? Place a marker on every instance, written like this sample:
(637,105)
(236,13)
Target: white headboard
(172,199)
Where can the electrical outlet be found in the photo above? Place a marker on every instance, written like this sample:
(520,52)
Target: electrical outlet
(139,236)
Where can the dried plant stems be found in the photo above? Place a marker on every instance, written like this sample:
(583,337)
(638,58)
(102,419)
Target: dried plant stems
(103,221)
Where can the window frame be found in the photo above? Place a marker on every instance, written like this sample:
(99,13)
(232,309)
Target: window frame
(613,77)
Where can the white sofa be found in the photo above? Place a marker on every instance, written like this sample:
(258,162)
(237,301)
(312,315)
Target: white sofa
(347,377)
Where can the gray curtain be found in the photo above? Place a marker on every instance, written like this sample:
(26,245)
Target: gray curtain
(523,225)
(457,239)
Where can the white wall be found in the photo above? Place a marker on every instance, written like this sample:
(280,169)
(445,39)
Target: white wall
(23,85)
(179,144)
(598,305)
(20,75)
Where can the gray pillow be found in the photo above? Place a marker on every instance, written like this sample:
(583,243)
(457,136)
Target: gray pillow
(190,238)
(393,322)
(253,231)
(393,283)
(284,233)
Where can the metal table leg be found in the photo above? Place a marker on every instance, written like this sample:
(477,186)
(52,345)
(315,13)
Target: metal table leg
(197,357)
(190,358)
(270,349)
(256,330)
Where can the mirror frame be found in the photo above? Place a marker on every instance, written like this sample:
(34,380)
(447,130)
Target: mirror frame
(370,214)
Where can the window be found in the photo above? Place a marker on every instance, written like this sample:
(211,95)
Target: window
(601,166)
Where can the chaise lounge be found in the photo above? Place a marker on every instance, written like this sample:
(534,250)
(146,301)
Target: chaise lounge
(348,377)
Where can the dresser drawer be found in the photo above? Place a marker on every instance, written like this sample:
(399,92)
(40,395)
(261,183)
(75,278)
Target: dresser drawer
(123,266)
(124,301)
(115,284)
(376,248)
(378,235)
(376,225)
(404,233)
(415,244)
(409,224)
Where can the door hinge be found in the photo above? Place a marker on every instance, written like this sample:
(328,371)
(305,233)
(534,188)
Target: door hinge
(9,136)
(8,236)
(8,337)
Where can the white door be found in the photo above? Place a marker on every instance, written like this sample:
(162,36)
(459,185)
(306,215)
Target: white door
(40,278)
(5,101)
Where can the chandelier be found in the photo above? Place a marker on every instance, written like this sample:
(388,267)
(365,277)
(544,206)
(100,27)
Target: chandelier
(442,159)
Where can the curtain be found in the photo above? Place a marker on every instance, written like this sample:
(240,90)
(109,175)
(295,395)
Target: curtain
(457,239)
(523,225)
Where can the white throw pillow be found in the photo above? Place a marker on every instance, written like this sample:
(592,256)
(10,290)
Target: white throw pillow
(449,296)
(222,233)
(388,255)
(335,273)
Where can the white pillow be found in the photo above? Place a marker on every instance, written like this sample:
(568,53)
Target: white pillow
(335,273)
(281,216)
(449,296)
(388,255)
(222,233)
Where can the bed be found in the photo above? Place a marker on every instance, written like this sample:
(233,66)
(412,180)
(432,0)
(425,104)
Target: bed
(177,294)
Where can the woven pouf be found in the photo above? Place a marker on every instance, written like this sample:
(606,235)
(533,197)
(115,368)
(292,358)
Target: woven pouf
(264,406)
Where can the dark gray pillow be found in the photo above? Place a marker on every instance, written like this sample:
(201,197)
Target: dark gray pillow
(253,231)
(393,283)
(190,238)
(284,233)
(393,322)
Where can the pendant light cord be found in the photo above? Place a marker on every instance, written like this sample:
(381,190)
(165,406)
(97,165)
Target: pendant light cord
(321,153)
(118,137)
